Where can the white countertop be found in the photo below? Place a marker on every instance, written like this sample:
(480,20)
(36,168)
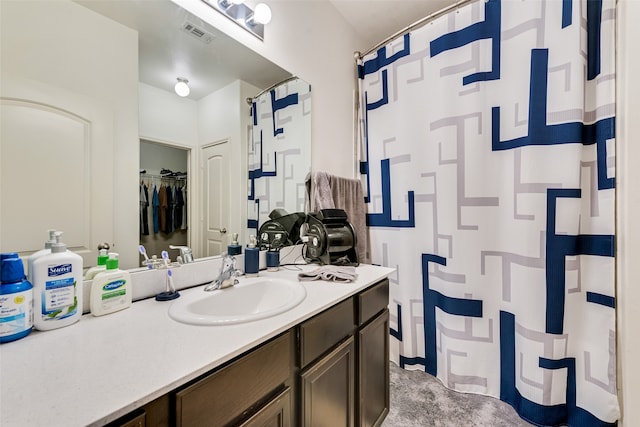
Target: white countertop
(101,368)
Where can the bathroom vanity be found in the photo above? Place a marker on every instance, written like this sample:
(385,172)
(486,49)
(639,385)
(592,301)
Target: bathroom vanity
(324,362)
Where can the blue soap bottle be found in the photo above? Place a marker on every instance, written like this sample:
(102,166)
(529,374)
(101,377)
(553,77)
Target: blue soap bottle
(16,299)
(234,248)
(251,258)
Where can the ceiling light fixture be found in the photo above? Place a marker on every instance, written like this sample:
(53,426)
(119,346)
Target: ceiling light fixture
(236,10)
(182,88)
(226,4)
(261,15)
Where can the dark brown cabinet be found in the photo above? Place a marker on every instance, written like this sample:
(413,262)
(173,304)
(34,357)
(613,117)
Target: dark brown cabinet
(348,382)
(229,395)
(154,413)
(331,370)
(373,371)
(276,413)
(328,389)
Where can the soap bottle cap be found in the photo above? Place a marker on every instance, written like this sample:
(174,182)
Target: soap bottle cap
(52,239)
(234,239)
(103,256)
(58,246)
(112,262)
(8,255)
(252,241)
(11,270)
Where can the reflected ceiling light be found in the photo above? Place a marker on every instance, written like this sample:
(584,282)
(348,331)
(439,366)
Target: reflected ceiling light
(182,88)
(261,15)
(249,19)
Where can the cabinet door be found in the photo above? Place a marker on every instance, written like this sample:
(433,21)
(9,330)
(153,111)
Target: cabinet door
(227,396)
(276,413)
(328,389)
(373,371)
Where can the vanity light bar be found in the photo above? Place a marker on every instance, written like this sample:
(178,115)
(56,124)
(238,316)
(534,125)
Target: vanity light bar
(241,14)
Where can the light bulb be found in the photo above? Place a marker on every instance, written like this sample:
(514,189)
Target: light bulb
(262,14)
(182,88)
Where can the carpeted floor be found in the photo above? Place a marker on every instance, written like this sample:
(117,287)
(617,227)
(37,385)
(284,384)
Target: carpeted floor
(420,400)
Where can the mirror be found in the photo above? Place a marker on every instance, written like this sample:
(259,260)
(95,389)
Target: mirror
(279,152)
(85,73)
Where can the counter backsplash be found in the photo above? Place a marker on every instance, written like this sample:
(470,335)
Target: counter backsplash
(148,283)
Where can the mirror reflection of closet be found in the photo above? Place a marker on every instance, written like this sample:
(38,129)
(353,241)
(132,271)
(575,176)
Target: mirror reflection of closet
(164,217)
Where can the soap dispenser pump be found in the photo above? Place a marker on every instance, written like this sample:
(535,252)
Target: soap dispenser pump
(234,247)
(102,265)
(251,258)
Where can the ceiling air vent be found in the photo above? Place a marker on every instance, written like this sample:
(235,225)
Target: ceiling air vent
(197,32)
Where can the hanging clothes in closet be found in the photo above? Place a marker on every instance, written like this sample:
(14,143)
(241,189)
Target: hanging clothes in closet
(178,210)
(162,208)
(144,204)
(168,202)
(169,210)
(155,203)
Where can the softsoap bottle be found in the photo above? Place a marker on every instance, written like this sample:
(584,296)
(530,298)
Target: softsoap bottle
(251,258)
(57,288)
(111,289)
(16,299)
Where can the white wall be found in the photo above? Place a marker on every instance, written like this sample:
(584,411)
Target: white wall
(166,117)
(48,48)
(628,235)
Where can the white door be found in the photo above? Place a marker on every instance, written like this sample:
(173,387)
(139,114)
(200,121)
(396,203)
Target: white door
(215,197)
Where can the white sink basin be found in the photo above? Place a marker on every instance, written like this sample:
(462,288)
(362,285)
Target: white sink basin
(251,299)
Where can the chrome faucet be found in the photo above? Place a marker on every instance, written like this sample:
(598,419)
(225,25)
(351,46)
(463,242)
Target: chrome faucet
(186,255)
(228,274)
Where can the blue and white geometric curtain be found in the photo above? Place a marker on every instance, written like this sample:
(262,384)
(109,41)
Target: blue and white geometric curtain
(487,150)
(279,151)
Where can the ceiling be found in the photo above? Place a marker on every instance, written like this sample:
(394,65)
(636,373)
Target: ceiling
(167,51)
(376,20)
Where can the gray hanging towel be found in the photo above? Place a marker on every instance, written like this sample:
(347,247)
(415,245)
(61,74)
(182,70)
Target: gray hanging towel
(330,192)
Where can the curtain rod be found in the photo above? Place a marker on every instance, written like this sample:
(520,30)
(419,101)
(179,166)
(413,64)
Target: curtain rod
(288,79)
(413,26)
(154,176)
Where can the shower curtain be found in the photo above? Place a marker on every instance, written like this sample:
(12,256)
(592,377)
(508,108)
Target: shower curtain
(487,158)
(279,151)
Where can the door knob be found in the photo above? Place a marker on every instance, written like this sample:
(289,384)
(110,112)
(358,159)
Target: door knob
(223,230)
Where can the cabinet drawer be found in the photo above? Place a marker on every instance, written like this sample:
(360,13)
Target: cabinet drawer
(320,333)
(138,421)
(372,301)
(136,418)
(229,394)
(154,413)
